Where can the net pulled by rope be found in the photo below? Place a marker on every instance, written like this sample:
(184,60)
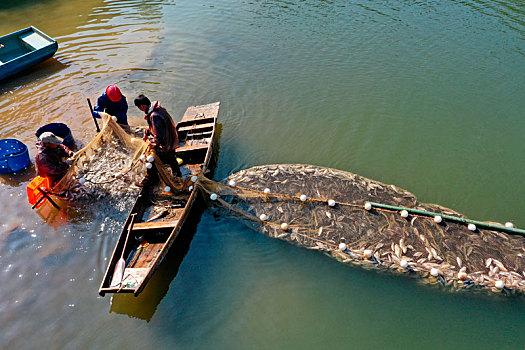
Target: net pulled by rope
(325,209)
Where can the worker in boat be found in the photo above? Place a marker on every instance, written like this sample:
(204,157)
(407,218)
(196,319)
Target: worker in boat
(162,136)
(51,158)
(114,103)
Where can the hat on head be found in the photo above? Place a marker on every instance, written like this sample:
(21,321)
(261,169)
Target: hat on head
(49,137)
(113,93)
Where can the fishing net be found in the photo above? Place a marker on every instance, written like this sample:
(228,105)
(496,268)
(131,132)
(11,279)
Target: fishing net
(325,209)
(111,164)
(108,165)
(105,166)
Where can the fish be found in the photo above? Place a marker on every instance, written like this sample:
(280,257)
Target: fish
(500,265)
(488,262)
(397,251)
(402,245)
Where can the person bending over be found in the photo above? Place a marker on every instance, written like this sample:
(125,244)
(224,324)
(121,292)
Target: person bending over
(162,135)
(51,158)
(113,103)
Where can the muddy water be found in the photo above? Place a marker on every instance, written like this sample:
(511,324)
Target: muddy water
(428,96)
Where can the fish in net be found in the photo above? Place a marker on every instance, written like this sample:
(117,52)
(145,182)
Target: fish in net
(107,166)
(326,210)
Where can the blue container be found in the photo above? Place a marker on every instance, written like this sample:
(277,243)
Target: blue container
(14,156)
(59,129)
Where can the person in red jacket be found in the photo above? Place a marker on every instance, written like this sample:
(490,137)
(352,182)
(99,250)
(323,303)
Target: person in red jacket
(51,158)
(162,135)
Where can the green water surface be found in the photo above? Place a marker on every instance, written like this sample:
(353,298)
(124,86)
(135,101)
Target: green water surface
(426,95)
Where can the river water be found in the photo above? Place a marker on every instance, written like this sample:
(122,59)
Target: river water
(426,95)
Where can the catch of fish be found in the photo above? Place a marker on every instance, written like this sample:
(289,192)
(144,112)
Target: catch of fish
(324,209)
(108,166)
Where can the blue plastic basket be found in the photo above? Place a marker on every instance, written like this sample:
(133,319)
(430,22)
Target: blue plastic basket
(14,156)
(59,129)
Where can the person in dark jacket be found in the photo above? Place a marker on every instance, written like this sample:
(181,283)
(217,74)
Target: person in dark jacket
(113,103)
(162,135)
(51,158)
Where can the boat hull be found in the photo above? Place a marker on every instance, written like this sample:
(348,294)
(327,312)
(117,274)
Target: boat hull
(24,49)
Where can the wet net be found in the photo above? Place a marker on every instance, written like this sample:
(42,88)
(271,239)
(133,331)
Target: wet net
(107,166)
(330,211)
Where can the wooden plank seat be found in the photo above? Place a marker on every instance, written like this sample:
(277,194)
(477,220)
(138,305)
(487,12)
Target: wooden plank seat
(154,225)
(198,135)
(192,148)
(196,127)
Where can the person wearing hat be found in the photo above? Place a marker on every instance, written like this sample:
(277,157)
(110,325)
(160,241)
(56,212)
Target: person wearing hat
(113,103)
(51,158)
(162,136)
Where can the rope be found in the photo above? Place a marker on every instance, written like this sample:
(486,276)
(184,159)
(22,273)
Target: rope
(376,206)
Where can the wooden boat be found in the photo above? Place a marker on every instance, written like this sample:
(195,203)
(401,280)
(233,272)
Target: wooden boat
(144,242)
(23,49)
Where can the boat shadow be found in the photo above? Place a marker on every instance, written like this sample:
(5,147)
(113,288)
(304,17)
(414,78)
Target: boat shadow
(37,72)
(145,304)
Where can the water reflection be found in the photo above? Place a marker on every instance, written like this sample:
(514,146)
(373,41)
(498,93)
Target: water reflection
(18,178)
(62,214)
